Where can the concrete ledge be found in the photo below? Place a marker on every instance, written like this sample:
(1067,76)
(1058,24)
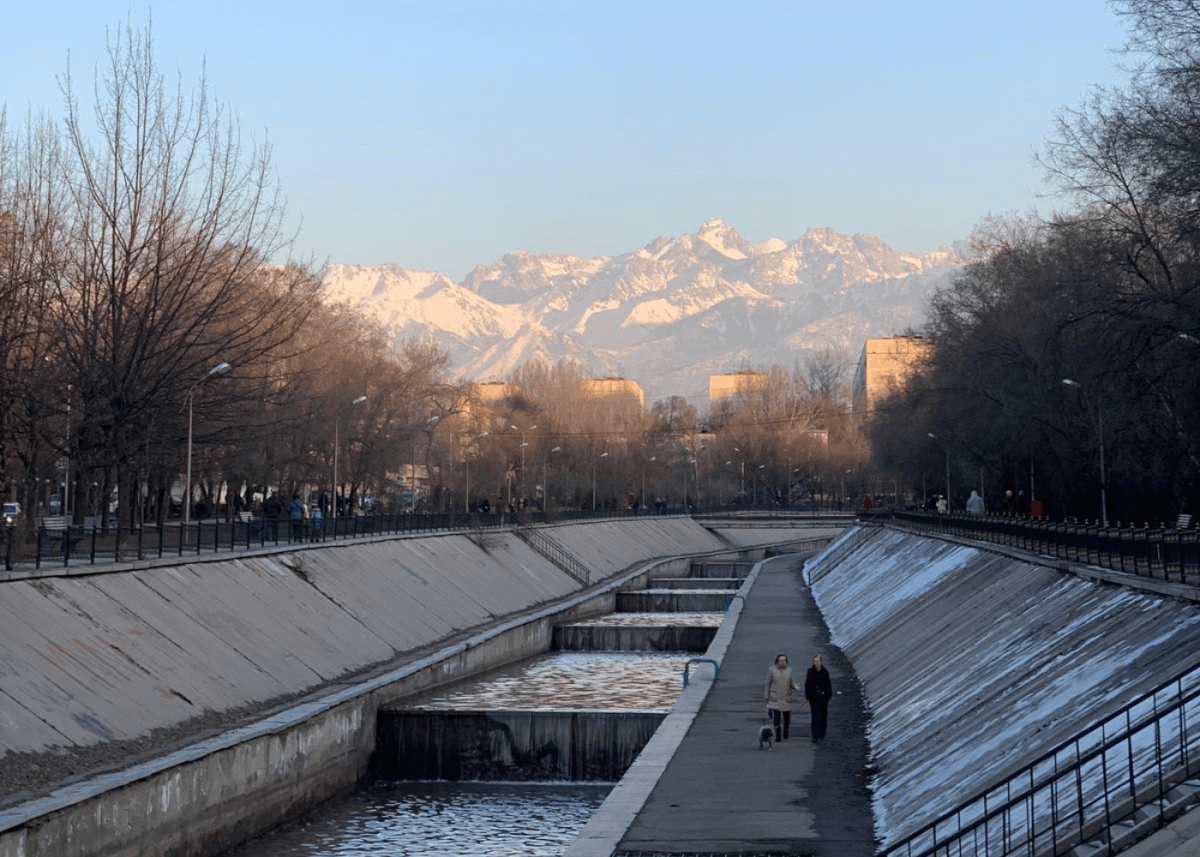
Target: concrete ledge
(607,826)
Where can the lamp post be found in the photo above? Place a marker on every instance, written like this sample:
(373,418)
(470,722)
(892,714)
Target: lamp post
(220,369)
(947,448)
(1100,441)
(333,511)
(431,421)
(467,469)
(602,455)
(652,458)
(522,448)
(545,481)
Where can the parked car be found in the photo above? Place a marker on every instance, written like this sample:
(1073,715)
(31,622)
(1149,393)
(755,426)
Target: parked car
(11,510)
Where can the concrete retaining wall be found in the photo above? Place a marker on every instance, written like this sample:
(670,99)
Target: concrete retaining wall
(90,657)
(976,660)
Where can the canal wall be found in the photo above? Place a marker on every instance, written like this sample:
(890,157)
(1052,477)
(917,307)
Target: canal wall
(977,659)
(324,635)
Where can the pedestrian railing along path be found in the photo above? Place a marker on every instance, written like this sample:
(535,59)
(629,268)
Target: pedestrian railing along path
(1171,555)
(1096,794)
(74,545)
(59,544)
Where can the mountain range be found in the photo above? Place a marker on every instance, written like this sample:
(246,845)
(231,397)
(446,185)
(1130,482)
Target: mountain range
(666,315)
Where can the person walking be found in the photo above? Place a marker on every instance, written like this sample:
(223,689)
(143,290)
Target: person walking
(316,519)
(817,690)
(777,693)
(975,504)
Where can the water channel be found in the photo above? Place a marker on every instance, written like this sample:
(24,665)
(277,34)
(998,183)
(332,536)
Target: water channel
(503,817)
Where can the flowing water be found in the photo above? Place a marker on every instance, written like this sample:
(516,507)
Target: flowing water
(492,819)
(439,820)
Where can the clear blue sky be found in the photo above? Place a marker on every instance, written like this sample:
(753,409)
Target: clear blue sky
(441,135)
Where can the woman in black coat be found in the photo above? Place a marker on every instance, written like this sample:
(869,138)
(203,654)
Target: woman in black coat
(817,691)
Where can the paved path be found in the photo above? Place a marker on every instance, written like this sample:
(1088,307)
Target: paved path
(720,794)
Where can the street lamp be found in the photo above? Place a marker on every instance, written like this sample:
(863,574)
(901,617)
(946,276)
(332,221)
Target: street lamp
(333,512)
(651,458)
(467,469)
(431,421)
(947,448)
(1100,440)
(545,482)
(220,369)
(522,448)
(602,455)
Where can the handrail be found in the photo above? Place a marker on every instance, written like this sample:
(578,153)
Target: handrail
(1152,552)
(716,668)
(99,545)
(554,552)
(1082,786)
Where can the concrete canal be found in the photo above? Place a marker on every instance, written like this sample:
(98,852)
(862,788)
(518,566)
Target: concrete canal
(515,761)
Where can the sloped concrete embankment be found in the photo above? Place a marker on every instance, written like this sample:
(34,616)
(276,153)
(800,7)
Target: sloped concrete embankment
(975,661)
(90,658)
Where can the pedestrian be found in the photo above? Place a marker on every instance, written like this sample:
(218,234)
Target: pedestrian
(1008,508)
(817,691)
(298,512)
(315,520)
(942,506)
(777,693)
(975,504)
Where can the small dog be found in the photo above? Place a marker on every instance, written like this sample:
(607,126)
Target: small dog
(766,738)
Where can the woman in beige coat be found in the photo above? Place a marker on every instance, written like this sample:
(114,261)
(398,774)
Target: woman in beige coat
(778,695)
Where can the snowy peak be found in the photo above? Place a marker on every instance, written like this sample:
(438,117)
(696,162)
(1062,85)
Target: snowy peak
(723,238)
(667,314)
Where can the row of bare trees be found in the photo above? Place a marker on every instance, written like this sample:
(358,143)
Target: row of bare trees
(551,442)
(140,247)
(1066,358)
(149,310)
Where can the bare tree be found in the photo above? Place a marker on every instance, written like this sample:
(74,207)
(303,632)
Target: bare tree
(172,231)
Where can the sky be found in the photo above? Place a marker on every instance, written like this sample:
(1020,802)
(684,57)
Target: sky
(442,135)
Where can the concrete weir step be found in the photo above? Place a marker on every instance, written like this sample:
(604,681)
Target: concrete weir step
(665,637)
(673,600)
(720,569)
(515,746)
(694,583)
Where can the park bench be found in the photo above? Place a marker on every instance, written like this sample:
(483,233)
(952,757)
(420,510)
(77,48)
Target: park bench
(56,530)
(1184,522)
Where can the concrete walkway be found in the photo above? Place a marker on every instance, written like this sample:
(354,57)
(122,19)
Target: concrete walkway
(717,792)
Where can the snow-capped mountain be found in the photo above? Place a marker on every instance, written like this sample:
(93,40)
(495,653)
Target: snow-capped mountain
(667,315)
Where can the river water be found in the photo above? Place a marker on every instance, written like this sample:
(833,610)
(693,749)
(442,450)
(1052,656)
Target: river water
(440,820)
(492,819)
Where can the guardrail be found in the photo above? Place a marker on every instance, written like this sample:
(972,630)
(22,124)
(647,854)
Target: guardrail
(1155,552)
(100,545)
(97,545)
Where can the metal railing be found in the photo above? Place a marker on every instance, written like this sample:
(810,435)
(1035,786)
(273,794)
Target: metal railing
(1082,789)
(98,545)
(554,552)
(1153,552)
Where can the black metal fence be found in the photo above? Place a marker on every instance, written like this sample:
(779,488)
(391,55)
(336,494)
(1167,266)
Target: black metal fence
(1108,786)
(74,545)
(98,545)
(1171,555)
